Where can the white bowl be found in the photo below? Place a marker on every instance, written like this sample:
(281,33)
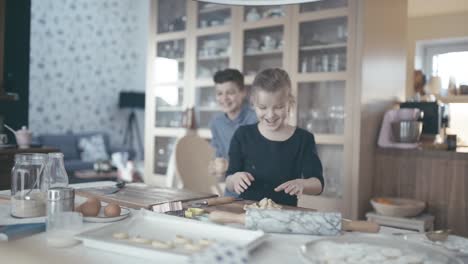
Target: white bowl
(398,207)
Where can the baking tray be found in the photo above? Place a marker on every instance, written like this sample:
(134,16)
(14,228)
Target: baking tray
(163,227)
(310,251)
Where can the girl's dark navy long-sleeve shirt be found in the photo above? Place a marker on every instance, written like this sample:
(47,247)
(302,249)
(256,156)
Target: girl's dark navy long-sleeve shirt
(272,163)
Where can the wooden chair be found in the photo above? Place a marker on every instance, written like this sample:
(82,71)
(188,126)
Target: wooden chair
(192,154)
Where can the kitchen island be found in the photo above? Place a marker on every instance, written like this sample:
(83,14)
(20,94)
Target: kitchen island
(278,248)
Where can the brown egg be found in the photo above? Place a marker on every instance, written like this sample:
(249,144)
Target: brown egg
(112,210)
(91,207)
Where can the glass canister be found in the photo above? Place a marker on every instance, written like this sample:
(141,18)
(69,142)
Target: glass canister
(55,174)
(27,199)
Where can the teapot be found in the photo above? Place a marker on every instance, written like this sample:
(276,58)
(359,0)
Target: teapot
(23,137)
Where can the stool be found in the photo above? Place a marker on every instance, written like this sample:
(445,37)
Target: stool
(420,223)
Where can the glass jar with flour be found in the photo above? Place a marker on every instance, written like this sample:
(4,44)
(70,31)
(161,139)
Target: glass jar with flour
(27,199)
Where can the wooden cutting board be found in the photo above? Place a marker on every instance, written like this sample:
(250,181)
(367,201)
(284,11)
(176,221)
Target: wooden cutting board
(237,207)
(137,195)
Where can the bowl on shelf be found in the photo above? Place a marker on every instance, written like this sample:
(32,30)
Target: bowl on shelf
(397,207)
(406,131)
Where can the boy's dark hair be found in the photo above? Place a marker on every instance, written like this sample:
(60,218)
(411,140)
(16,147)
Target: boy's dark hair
(230,75)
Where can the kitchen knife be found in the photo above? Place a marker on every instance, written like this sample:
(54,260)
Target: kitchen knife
(292,221)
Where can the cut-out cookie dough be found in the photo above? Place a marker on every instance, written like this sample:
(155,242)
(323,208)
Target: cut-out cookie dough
(120,235)
(181,240)
(162,244)
(140,240)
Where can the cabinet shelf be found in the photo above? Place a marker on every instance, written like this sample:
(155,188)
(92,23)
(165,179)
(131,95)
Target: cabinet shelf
(329,139)
(171,36)
(321,76)
(321,47)
(269,22)
(453,99)
(319,15)
(212,58)
(264,53)
(213,9)
(169,109)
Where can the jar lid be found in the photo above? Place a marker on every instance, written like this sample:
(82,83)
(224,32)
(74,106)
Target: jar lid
(60,193)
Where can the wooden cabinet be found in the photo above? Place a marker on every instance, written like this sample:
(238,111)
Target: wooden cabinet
(320,44)
(439,178)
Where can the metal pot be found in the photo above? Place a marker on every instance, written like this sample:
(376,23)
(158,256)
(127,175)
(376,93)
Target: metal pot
(407,131)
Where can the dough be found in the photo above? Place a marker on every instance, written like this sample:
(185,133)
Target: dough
(192,247)
(120,235)
(265,203)
(205,242)
(162,244)
(140,240)
(181,240)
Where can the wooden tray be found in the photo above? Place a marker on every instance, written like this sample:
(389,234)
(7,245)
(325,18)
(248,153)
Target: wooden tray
(137,195)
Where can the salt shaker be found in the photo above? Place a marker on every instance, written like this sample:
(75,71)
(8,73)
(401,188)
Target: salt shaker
(60,199)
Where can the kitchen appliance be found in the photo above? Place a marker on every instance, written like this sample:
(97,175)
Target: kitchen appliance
(406,131)
(392,132)
(436,115)
(294,221)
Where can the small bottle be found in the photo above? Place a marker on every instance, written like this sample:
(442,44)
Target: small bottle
(325,63)
(335,65)
(304,65)
(55,174)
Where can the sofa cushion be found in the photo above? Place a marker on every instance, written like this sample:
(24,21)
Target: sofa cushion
(93,148)
(75,165)
(66,143)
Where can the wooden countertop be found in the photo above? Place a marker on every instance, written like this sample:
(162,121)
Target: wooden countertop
(459,153)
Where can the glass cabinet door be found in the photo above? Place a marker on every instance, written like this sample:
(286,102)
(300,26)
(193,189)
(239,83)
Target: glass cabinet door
(212,54)
(170,61)
(169,112)
(205,105)
(163,149)
(263,49)
(172,15)
(212,15)
(332,160)
(256,13)
(320,107)
(322,45)
(322,5)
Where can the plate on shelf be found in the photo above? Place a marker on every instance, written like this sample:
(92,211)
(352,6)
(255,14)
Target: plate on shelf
(101,218)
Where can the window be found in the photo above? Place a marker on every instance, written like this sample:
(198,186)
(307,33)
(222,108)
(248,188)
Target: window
(446,59)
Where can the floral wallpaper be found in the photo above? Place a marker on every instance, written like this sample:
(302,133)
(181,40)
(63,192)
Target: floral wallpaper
(83,52)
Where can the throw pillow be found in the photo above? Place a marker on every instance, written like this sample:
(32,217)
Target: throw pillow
(93,148)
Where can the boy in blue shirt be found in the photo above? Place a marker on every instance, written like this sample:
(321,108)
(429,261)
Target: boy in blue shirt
(231,97)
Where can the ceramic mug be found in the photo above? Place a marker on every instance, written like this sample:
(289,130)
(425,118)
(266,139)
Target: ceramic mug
(3,139)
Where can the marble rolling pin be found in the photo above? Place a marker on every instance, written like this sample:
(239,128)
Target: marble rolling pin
(291,221)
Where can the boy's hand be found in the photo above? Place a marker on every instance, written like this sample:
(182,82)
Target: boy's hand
(240,181)
(293,187)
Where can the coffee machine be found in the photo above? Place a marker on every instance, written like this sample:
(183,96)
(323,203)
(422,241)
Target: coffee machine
(436,116)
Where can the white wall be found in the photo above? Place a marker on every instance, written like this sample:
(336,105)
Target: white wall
(83,52)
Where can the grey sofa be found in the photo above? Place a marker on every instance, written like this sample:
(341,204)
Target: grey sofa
(68,145)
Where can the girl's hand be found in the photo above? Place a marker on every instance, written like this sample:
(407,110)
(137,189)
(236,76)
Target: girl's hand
(293,187)
(239,181)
